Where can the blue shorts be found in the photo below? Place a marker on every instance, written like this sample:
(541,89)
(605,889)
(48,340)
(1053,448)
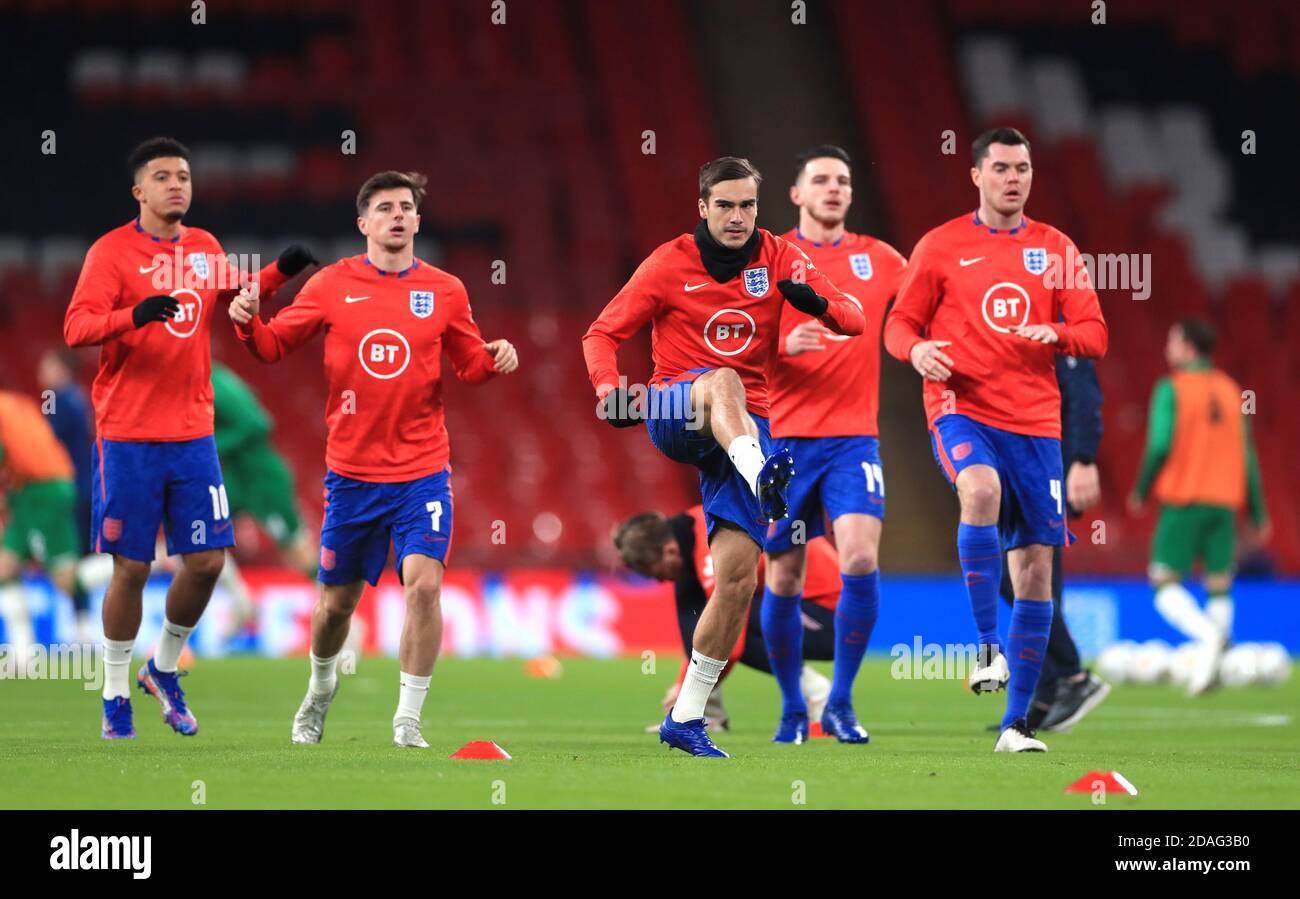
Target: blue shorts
(138,486)
(1030,471)
(726,495)
(833,476)
(362,517)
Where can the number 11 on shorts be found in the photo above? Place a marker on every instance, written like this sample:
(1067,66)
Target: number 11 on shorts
(434,507)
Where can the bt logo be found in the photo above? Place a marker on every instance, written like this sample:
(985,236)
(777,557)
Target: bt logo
(384,353)
(729,331)
(1005,306)
(188,316)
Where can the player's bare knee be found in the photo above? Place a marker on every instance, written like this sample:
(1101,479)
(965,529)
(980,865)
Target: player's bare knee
(859,560)
(423,594)
(980,498)
(130,573)
(206,565)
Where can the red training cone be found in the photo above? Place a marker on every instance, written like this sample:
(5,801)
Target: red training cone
(815,731)
(480,749)
(1108,781)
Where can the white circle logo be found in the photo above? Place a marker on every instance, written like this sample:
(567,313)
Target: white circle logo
(384,354)
(1005,306)
(190,312)
(729,331)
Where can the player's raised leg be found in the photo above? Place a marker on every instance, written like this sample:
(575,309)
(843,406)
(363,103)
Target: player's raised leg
(735,562)
(330,621)
(1031,622)
(979,549)
(718,399)
(858,539)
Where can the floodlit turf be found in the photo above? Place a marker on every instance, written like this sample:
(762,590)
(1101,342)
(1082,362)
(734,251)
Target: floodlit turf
(578,741)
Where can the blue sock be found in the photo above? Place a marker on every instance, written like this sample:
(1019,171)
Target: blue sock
(855,616)
(1031,621)
(783,637)
(980,553)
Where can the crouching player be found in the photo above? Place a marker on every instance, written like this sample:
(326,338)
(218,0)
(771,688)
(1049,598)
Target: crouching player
(386,316)
(676,550)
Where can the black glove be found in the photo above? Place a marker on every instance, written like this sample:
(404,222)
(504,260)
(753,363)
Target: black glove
(294,259)
(802,297)
(619,411)
(156,308)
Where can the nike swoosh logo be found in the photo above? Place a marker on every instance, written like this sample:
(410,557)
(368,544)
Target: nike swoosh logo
(690,287)
(354,299)
(966,262)
(145,271)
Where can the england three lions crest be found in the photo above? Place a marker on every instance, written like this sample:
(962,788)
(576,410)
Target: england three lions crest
(199,263)
(756,282)
(422,303)
(1035,260)
(861,264)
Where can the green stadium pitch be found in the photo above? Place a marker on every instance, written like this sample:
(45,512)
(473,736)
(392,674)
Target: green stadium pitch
(579,742)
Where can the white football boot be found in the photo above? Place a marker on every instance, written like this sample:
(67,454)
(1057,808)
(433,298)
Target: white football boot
(1019,738)
(406,733)
(990,677)
(309,723)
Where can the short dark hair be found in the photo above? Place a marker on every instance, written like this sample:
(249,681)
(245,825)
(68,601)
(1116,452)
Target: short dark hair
(641,539)
(726,168)
(155,148)
(1009,136)
(1200,334)
(821,151)
(412,181)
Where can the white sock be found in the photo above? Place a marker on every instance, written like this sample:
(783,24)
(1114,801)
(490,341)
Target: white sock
(410,699)
(701,676)
(171,643)
(1220,609)
(323,676)
(117,664)
(1179,608)
(747,456)
(18,625)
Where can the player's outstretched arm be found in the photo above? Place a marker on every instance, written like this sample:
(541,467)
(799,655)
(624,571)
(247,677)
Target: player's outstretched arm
(293,326)
(812,293)
(292,260)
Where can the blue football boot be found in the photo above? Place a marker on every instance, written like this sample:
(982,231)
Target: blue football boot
(118,723)
(165,687)
(792,729)
(689,736)
(773,480)
(838,721)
